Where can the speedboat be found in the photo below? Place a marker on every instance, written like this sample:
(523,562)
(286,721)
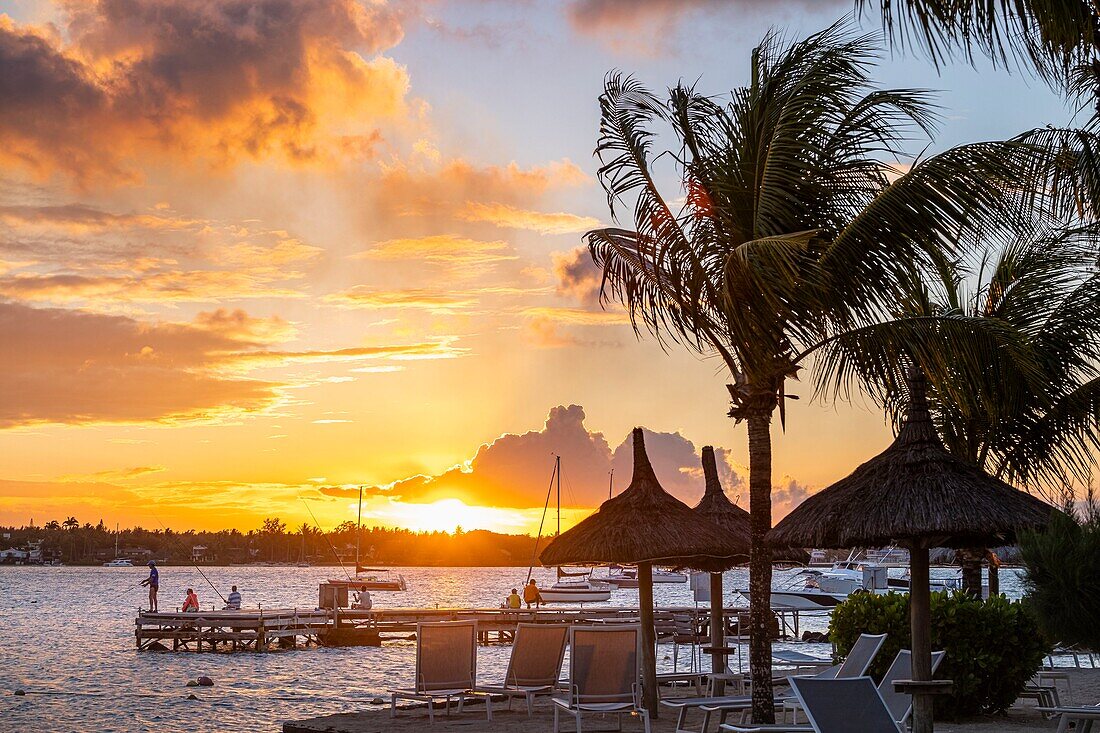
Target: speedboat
(576,591)
(118,562)
(825,589)
(368,579)
(621,577)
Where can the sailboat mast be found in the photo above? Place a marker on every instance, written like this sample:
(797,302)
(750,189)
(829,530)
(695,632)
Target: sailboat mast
(116,539)
(358,530)
(558,470)
(610,483)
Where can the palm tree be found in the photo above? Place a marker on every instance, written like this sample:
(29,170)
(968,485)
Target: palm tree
(1058,39)
(1041,431)
(71,523)
(793,233)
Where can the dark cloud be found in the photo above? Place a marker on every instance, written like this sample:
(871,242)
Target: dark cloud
(578,277)
(514,470)
(786,496)
(219,78)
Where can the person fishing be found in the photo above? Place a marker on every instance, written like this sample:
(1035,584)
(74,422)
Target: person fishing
(233,602)
(153,581)
(191,603)
(363,600)
(514,600)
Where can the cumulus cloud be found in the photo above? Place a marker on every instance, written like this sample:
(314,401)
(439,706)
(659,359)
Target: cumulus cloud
(514,470)
(71,367)
(577,276)
(786,495)
(513,217)
(300,79)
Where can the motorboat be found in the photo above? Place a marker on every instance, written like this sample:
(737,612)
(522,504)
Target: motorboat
(372,579)
(825,589)
(627,577)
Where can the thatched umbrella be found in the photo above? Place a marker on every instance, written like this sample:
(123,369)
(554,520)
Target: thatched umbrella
(644,525)
(716,507)
(916,494)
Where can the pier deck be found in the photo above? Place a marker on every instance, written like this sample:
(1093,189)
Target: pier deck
(256,630)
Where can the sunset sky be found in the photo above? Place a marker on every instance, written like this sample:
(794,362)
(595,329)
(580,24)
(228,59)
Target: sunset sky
(255,253)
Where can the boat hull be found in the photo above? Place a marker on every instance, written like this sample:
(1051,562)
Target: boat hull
(580,594)
(376,585)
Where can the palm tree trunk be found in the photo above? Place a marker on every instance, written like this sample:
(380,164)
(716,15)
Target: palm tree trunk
(760,568)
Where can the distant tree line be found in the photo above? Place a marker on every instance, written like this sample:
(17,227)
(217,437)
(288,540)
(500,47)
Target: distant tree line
(273,542)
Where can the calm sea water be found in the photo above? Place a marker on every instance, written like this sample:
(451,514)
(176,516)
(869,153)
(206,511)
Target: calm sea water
(67,640)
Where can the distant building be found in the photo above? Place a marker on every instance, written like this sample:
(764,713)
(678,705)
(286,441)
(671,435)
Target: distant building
(14,555)
(201,553)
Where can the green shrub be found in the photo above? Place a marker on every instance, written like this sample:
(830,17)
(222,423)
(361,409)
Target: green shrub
(1062,577)
(993,646)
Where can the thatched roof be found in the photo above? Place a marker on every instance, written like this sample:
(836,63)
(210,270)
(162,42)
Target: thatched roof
(915,490)
(716,506)
(645,524)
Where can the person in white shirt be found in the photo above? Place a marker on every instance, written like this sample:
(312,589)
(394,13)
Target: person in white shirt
(362,600)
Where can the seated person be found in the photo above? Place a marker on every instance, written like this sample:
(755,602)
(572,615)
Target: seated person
(514,601)
(233,602)
(191,603)
(362,600)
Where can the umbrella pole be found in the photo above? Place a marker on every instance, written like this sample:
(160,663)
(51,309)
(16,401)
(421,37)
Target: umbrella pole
(920,617)
(649,638)
(717,630)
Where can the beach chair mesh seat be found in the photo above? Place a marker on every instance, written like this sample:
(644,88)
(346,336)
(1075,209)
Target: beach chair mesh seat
(535,663)
(845,705)
(604,674)
(446,667)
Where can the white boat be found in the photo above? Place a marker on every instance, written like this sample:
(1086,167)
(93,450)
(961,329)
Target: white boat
(576,587)
(368,579)
(621,577)
(118,562)
(824,589)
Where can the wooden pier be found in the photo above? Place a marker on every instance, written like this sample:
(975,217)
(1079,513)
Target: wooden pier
(261,630)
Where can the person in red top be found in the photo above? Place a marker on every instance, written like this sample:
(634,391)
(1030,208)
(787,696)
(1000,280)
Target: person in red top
(191,603)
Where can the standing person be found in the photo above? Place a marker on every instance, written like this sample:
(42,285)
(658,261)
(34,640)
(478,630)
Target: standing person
(233,602)
(153,581)
(531,594)
(191,603)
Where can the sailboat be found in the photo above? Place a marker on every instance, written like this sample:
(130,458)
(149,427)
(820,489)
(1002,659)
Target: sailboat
(369,578)
(118,562)
(572,587)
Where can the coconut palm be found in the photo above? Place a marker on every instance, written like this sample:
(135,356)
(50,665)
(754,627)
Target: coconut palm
(794,233)
(1054,37)
(1041,431)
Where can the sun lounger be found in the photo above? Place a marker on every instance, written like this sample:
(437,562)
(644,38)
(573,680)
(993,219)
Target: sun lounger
(446,667)
(845,705)
(1082,718)
(604,674)
(535,664)
(723,705)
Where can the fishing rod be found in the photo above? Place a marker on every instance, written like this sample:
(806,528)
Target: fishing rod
(331,546)
(545,506)
(179,545)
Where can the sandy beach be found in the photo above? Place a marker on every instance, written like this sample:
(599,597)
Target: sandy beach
(1021,718)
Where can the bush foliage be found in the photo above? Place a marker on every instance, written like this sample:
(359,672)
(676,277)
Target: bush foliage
(1062,577)
(993,646)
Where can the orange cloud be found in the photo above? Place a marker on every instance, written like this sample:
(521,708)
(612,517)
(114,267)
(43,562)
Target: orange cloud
(362,296)
(458,254)
(71,367)
(503,215)
(294,79)
(577,316)
(438,193)
(514,469)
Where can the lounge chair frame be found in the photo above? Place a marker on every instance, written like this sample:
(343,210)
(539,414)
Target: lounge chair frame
(528,689)
(607,703)
(461,689)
